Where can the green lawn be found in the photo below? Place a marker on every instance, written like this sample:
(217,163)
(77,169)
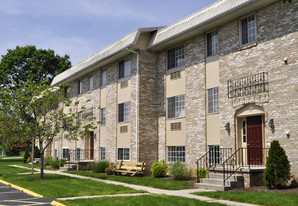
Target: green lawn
(145,200)
(144,181)
(55,186)
(259,198)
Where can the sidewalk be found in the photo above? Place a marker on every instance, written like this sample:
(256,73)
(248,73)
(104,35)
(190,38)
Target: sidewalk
(180,193)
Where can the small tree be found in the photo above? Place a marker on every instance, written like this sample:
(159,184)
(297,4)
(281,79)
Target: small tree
(277,172)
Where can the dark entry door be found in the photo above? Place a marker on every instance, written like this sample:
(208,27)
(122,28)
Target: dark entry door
(254,140)
(91,145)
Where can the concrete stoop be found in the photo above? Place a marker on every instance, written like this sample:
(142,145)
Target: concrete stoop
(215,182)
(68,167)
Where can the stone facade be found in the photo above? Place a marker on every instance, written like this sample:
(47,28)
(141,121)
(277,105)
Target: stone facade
(276,39)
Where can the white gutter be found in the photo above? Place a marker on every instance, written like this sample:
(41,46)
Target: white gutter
(137,105)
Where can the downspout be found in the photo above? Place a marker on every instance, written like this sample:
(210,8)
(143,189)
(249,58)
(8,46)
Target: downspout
(137,105)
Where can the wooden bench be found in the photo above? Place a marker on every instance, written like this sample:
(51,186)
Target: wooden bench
(132,168)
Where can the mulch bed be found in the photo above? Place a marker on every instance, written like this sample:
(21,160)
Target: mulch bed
(293,190)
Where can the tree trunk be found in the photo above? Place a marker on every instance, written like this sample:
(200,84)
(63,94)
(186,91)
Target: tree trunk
(41,159)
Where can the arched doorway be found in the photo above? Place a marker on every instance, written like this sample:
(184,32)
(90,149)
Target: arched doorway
(250,134)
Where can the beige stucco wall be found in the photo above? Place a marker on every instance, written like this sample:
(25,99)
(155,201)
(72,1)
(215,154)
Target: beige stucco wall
(175,138)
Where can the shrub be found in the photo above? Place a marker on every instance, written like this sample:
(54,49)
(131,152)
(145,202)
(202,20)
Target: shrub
(180,171)
(62,163)
(48,160)
(110,169)
(55,164)
(159,169)
(100,166)
(11,152)
(36,152)
(201,173)
(277,172)
(26,155)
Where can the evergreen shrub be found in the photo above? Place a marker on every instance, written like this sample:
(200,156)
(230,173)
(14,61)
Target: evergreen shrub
(180,171)
(98,167)
(159,169)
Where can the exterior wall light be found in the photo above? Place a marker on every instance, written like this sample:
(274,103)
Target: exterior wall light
(227,126)
(271,123)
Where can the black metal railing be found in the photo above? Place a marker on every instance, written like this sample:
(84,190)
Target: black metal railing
(243,157)
(77,155)
(250,85)
(212,158)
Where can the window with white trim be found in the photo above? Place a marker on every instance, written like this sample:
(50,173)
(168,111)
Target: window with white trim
(212,43)
(124,68)
(102,153)
(80,87)
(176,153)
(248,30)
(103,81)
(78,154)
(103,116)
(212,101)
(124,112)
(65,153)
(123,154)
(176,57)
(90,85)
(176,107)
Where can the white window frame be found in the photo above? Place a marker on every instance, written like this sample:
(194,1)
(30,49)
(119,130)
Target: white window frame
(123,148)
(214,43)
(103,153)
(213,100)
(176,153)
(179,107)
(80,87)
(126,68)
(176,57)
(103,78)
(125,112)
(251,33)
(91,83)
(63,153)
(103,116)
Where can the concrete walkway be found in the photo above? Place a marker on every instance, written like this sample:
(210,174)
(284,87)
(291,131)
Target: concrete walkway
(181,193)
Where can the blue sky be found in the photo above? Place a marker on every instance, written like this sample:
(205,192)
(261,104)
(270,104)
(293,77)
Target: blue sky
(81,28)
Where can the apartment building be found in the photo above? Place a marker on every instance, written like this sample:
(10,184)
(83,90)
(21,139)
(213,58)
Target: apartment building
(223,79)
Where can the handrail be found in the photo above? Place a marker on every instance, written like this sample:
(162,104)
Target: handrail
(211,158)
(250,157)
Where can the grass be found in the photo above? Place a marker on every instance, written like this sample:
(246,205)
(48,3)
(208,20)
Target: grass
(259,198)
(145,200)
(144,181)
(55,186)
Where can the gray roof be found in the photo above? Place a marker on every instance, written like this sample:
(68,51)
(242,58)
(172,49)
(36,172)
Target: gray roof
(126,42)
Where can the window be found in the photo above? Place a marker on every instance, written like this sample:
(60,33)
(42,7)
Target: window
(65,153)
(80,87)
(123,154)
(90,85)
(176,153)
(212,100)
(176,107)
(248,30)
(212,43)
(88,114)
(78,154)
(102,153)
(55,153)
(176,57)
(65,125)
(66,91)
(124,68)
(103,78)
(213,154)
(124,112)
(103,116)
(244,131)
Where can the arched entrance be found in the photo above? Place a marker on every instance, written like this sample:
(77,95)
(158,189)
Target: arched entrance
(250,134)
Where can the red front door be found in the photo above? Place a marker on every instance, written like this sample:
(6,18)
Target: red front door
(254,140)
(91,145)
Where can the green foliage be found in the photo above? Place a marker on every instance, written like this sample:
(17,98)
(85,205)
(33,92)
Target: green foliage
(159,169)
(277,172)
(36,152)
(55,164)
(62,163)
(110,169)
(48,160)
(21,64)
(26,155)
(180,171)
(100,166)
(201,173)
(284,1)
(11,152)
